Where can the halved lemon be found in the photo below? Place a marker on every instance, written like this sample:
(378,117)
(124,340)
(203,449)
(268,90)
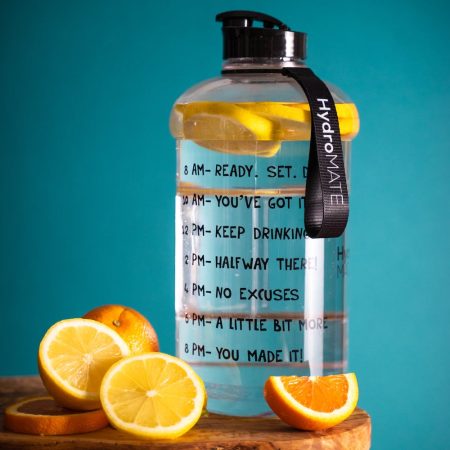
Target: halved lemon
(312,403)
(153,395)
(73,356)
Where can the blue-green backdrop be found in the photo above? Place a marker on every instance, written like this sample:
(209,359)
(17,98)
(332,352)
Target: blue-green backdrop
(87,177)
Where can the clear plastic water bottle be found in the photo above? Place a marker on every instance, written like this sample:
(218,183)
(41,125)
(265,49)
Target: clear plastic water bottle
(255,295)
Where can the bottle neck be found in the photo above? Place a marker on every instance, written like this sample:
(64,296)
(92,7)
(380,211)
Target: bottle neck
(260,63)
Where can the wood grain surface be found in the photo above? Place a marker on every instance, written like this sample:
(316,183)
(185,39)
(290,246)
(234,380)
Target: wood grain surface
(211,433)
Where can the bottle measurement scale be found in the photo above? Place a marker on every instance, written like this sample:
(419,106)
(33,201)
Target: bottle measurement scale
(249,281)
(255,296)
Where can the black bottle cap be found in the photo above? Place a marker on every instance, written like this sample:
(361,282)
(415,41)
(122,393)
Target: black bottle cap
(273,40)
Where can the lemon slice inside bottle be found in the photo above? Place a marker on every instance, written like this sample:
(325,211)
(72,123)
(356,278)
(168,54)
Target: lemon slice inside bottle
(255,128)
(293,120)
(229,128)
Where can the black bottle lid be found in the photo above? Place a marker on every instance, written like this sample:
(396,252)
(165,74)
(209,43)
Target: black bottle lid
(274,39)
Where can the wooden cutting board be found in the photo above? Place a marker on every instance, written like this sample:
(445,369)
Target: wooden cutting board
(211,433)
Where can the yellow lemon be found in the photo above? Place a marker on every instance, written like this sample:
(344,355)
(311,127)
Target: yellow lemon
(73,356)
(228,128)
(153,395)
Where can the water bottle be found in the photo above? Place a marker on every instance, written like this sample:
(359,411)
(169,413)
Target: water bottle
(261,206)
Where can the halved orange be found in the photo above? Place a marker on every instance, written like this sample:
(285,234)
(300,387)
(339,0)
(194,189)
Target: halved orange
(312,403)
(73,356)
(41,415)
(152,395)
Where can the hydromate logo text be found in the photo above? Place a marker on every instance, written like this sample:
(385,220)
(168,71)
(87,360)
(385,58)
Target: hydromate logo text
(334,181)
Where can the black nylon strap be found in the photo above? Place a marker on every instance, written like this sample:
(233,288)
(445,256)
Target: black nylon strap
(326,197)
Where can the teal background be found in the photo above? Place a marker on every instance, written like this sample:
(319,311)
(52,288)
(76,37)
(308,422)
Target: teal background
(87,177)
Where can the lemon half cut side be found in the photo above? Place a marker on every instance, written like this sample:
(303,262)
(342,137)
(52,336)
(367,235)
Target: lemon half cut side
(73,356)
(153,395)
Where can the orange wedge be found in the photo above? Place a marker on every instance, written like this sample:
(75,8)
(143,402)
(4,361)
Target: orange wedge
(41,415)
(153,395)
(312,403)
(73,356)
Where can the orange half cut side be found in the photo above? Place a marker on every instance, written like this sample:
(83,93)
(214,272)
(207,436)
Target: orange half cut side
(312,403)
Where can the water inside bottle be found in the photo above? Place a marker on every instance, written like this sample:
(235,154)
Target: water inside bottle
(255,296)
